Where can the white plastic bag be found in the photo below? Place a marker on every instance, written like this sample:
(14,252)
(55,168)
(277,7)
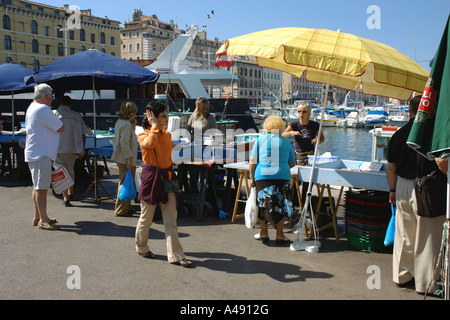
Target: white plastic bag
(251,210)
(61,180)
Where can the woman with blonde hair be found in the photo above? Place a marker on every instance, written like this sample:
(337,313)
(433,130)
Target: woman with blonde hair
(201,120)
(305,134)
(271,161)
(125,151)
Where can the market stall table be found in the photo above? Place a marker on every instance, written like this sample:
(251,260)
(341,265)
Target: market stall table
(345,173)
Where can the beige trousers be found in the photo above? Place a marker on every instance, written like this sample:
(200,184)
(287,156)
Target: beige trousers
(417,240)
(169,214)
(122,207)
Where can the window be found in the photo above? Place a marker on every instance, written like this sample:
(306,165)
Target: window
(47,31)
(60,49)
(130,47)
(34,27)
(113,41)
(138,47)
(47,49)
(102,38)
(72,51)
(82,35)
(35,46)
(83,49)
(7,43)
(92,38)
(71,35)
(59,32)
(6,22)
(36,65)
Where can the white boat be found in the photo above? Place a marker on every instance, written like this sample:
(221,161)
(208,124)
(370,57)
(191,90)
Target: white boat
(376,117)
(399,118)
(173,68)
(329,119)
(351,121)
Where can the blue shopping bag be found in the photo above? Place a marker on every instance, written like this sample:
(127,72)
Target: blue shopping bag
(390,232)
(128,190)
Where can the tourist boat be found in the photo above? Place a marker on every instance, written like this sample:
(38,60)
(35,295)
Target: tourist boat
(376,117)
(399,118)
(352,120)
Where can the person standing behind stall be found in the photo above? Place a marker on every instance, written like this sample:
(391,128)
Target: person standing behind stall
(305,134)
(125,151)
(71,142)
(41,149)
(201,120)
(156,145)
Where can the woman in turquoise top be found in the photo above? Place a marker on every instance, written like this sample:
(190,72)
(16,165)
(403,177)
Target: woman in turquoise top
(271,161)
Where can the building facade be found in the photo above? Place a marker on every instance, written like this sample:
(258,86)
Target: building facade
(145,37)
(35,35)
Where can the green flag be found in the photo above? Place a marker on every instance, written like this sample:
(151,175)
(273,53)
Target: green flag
(430,133)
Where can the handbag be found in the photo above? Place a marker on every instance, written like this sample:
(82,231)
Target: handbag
(168,185)
(251,210)
(431,194)
(128,190)
(390,232)
(61,180)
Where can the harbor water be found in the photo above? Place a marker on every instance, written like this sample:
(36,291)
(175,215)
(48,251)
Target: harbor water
(347,143)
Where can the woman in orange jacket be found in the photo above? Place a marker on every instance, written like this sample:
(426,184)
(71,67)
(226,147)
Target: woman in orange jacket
(156,145)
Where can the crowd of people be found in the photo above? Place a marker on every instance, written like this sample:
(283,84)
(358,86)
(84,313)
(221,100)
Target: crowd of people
(58,137)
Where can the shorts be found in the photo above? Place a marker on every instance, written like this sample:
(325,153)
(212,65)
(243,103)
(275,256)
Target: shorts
(41,173)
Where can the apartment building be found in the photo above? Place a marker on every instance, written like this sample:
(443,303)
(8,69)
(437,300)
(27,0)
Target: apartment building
(35,34)
(145,37)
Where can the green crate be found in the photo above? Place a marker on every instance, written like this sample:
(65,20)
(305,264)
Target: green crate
(364,241)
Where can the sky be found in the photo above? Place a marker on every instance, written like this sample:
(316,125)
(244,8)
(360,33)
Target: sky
(413,27)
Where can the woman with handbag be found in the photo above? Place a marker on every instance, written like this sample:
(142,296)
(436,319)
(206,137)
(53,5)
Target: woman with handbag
(125,151)
(271,160)
(157,169)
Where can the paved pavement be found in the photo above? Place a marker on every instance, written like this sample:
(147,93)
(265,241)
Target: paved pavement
(95,249)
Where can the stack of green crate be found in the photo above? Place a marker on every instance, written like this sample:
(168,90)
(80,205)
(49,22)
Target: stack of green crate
(367,215)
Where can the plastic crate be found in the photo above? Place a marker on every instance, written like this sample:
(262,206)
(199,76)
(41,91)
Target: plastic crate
(364,241)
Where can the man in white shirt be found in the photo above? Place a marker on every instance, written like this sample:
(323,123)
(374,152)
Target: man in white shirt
(41,149)
(71,141)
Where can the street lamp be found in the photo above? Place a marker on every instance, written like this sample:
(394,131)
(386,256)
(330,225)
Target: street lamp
(65,35)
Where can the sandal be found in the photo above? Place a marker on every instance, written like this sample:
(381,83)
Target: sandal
(183,262)
(48,226)
(36,222)
(148,255)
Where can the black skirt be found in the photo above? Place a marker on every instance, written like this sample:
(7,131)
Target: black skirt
(274,200)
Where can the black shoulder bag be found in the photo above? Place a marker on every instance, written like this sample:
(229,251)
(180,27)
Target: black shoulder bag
(431,194)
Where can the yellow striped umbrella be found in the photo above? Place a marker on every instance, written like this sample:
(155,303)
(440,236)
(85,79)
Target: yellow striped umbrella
(346,60)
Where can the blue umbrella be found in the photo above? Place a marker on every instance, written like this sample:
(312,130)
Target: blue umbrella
(76,72)
(94,70)
(12,79)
